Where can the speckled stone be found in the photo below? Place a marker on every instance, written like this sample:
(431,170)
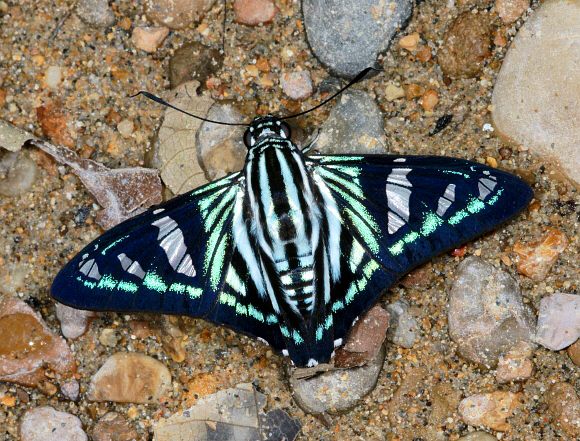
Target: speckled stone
(466,45)
(354,126)
(47,424)
(255,12)
(130,378)
(28,347)
(510,10)
(297,85)
(348,36)
(338,390)
(558,321)
(537,257)
(487,315)
(149,39)
(96,13)
(490,410)
(564,408)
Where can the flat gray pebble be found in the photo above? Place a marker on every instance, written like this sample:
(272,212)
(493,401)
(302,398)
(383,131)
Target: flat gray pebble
(403,325)
(354,126)
(487,315)
(338,390)
(96,13)
(348,36)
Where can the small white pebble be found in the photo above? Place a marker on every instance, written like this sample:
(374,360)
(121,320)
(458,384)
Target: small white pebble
(126,128)
(53,77)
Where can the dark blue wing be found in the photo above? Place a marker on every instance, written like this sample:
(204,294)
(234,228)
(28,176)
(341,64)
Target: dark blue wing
(397,212)
(407,209)
(178,258)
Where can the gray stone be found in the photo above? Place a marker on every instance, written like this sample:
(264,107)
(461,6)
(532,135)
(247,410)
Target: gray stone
(558,321)
(354,126)
(348,36)
(486,313)
(46,424)
(536,94)
(337,390)
(403,325)
(96,13)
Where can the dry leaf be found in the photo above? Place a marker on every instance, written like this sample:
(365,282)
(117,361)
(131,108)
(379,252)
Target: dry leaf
(123,193)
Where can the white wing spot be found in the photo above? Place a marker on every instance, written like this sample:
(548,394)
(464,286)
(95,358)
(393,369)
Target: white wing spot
(446,200)
(398,195)
(486,186)
(90,269)
(173,244)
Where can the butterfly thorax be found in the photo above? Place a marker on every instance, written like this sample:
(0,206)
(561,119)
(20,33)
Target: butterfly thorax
(284,209)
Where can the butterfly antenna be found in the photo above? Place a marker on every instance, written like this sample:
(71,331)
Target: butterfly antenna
(165,103)
(355,80)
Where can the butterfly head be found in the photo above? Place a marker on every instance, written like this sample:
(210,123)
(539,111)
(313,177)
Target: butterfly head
(266,127)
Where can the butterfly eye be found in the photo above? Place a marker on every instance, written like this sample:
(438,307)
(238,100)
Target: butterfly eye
(248,138)
(285,130)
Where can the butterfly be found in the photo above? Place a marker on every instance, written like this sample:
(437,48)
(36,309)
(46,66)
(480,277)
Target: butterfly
(292,249)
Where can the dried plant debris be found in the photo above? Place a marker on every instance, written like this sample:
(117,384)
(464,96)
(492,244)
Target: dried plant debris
(189,151)
(231,415)
(11,137)
(123,193)
(175,150)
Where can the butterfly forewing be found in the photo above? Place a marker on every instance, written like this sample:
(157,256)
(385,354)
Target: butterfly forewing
(170,259)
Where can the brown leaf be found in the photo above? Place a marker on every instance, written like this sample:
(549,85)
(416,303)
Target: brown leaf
(123,193)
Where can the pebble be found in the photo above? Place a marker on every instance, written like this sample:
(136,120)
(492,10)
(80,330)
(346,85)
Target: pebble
(339,390)
(96,13)
(430,100)
(255,12)
(29,350)
(113,427)
(126,128)
(490,410)
(71,390)
(466,45)
(348,36)
(478,436)
(297,85)
(516,365)
(366,338)
(149,39)
(109,337)
(538,257)
(176,14)
(130,378)
(574,352)
(221,148)
(73,322)
(194,61)
(12,279)
(394,92)
(486,313)
(410,42)
(354,125)
(53,77)
(558,321)
(536,84)
(564,408)
(402,331)
(47,424)
(54,122)
(510,10)
(17,173)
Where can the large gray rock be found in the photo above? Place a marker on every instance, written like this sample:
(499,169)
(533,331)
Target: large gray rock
(536,95)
